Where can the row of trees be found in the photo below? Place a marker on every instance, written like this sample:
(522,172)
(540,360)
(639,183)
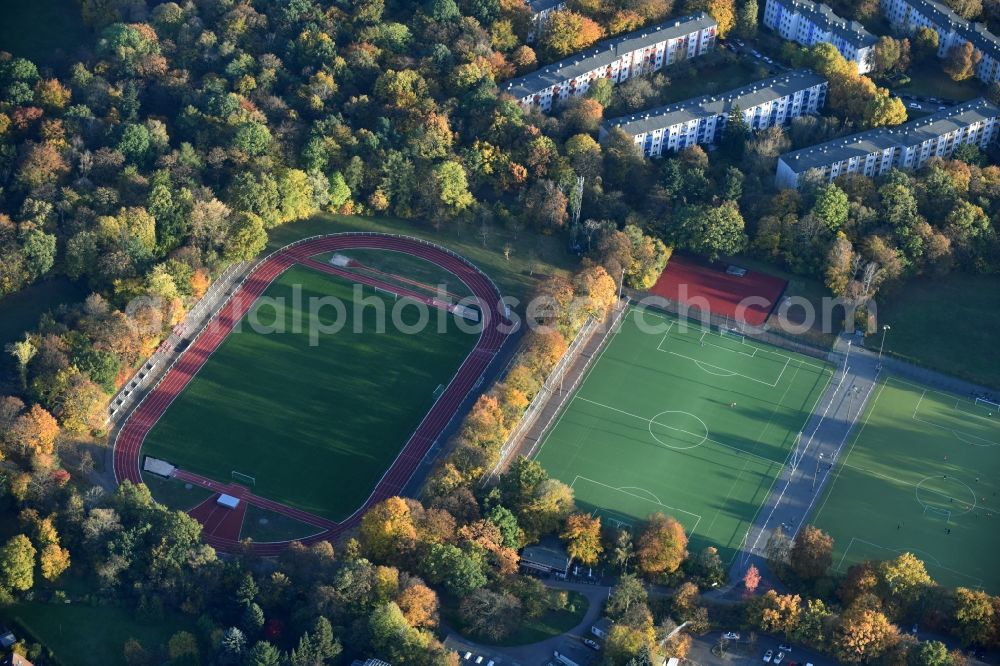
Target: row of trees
(855,617)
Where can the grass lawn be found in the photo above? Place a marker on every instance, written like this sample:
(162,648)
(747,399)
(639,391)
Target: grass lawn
(927,79)
(948,324)
(83,635)
(533,256)
(710,77)
(175,493)
(551,623)
(316,425)
(682,421)
(38,30)
(263,526)
(923,473)
(20,311)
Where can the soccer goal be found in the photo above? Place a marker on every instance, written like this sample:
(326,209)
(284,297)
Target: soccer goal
(987,404)
(245,479)
(937,512)
(732,333)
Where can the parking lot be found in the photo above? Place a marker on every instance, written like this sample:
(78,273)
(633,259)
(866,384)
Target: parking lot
(705,650)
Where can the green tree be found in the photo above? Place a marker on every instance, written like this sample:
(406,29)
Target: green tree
(263,654)
(17,564)
(247,238)
(711,231)
(253,138)
(746,19)
(812,553)
(39,250)
(460,572)
(974,616)
(929,653)
(452,187)
(831,206)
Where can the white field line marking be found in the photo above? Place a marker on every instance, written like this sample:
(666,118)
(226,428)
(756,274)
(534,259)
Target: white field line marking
(763,346)
(625,491)
(707,439)
(759,438)
(917,551)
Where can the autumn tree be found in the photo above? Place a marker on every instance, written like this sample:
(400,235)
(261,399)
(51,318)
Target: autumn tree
(35,432)
(662,547)
(567,32)
(975,616)
(776,613)
(751,579)
(862,635)
(812,553)
(961,60)
(583,536)
(904,579)
(387,530)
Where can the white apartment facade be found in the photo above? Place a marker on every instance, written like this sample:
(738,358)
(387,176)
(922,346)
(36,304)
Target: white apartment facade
(618,59)
(809,23)
(763,104)
(908,16)
(908,146)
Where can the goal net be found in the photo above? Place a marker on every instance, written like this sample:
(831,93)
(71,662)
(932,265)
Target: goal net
(987,404)
(731,333)
(245,479)
(937,512)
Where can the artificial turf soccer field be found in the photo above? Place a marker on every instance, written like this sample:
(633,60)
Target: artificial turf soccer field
(922,463)
(652,428)
(317,426)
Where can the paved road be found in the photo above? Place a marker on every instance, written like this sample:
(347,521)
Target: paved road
(741,652)
(801,482)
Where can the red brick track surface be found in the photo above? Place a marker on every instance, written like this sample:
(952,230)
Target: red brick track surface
(695,283)
(222,530)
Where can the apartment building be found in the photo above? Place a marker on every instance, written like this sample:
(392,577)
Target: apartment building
(618,59)
(774,101)
(541,10)
(907,16)
(809,23)
(907,146)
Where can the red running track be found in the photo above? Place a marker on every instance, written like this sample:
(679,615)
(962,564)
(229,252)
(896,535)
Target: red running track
(133,432)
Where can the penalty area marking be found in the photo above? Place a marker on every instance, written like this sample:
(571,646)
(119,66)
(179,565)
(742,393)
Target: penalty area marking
(924,555)
(960,435)
(626,490)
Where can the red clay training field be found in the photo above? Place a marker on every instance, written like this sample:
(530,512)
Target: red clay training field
(696,283)
(222,526)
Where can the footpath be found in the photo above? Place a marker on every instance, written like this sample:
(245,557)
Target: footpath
(811,463)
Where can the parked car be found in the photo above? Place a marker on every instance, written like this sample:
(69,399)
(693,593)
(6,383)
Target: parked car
(914,105)
(591,644)
(731,636)
(767,656)
(778,658)
(784,648)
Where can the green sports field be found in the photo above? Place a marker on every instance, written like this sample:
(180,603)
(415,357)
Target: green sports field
(316,425)
(922,463)
(676,419)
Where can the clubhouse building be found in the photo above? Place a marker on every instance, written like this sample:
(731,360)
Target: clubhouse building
(907,146)
(907,16)
(809,23)
(633,54)
(701,120)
